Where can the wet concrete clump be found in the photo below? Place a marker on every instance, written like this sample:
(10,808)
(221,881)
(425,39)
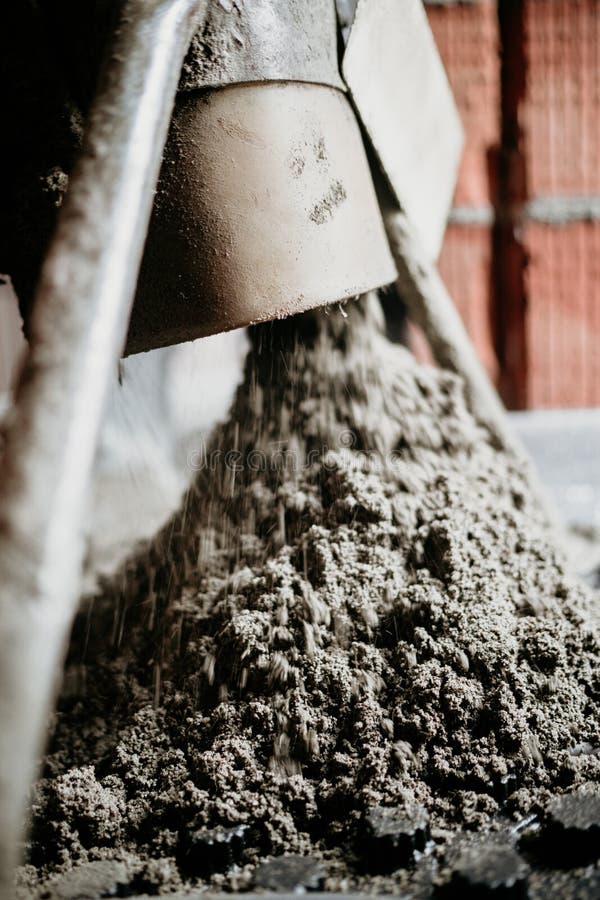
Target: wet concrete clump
(357,634)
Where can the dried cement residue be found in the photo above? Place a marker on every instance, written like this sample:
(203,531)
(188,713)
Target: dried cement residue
(363,608)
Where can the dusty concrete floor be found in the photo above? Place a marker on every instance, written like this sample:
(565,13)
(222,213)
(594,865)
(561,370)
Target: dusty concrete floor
(565,447)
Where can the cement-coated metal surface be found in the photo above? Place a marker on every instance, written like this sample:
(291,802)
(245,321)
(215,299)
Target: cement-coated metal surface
(265,40)
(77,331)
(265,208)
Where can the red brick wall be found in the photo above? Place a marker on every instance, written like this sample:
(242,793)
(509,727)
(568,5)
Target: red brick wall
(526,78)
(561,112)
(467,38)
(563,314)
(561,122)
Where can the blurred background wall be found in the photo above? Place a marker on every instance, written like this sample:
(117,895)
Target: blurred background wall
(522,251)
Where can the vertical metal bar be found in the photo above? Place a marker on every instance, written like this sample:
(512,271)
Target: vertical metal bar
(77,332)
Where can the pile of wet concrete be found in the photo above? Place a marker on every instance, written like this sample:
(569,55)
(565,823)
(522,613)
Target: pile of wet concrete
(353,661)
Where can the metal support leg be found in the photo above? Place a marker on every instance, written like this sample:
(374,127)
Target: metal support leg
(77,332)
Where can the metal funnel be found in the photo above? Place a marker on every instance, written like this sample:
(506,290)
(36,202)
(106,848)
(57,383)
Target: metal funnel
(265,205)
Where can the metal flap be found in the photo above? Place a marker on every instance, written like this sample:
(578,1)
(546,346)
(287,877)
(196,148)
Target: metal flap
(399,87)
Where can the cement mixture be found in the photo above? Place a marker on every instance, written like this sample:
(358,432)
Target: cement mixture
(355,646)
